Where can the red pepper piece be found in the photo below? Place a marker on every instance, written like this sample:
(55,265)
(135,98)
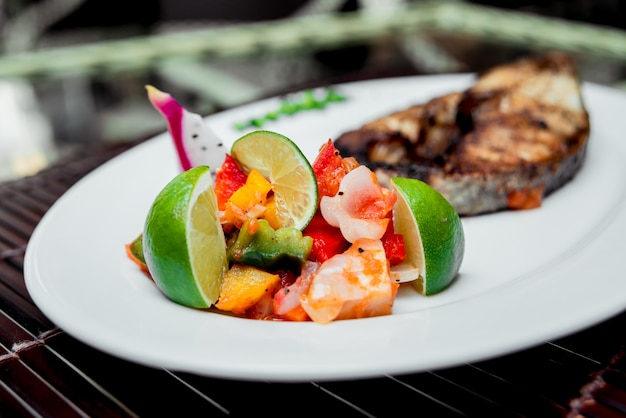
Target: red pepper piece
(394,245)
(327,240)
(329,170)
(229,178)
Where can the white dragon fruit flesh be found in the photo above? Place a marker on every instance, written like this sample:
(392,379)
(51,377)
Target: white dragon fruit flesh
(195,143)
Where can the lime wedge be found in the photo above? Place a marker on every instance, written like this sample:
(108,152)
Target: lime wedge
(183,242)
(432,231)
(280,160)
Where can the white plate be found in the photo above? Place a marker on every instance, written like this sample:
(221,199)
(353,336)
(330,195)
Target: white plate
(527,277)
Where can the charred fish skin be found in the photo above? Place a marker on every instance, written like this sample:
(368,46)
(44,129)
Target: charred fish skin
(520,130)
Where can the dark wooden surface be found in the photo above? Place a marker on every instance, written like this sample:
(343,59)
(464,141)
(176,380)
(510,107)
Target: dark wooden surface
(46,372)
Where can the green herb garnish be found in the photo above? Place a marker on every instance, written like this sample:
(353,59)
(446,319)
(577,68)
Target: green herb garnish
(305,101)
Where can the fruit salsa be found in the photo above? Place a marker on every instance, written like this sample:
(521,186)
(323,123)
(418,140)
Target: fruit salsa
(268,235)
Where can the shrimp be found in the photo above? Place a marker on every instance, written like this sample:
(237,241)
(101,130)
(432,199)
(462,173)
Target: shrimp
(361,206)
(288,297)
(354,284)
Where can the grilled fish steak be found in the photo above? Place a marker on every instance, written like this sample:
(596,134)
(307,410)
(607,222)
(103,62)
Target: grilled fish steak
(516,135)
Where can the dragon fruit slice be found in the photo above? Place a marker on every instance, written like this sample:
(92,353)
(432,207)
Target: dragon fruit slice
(196,144)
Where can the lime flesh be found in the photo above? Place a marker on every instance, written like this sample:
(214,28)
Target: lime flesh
(183,241)
(432,231)
(280,160)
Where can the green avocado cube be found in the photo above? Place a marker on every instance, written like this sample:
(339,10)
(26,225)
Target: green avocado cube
(268,248)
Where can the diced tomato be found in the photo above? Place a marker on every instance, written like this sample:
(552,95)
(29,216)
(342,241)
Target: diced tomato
(327,240)
(229,178)
(329,169)
(394,245)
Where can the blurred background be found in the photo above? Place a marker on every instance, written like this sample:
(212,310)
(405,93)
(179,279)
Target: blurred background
(72,72)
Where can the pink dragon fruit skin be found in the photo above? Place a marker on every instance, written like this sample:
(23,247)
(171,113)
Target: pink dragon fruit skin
(195,143)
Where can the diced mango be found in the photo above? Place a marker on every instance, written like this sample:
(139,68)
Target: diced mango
(252,193)
(243,286)
(271,214)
